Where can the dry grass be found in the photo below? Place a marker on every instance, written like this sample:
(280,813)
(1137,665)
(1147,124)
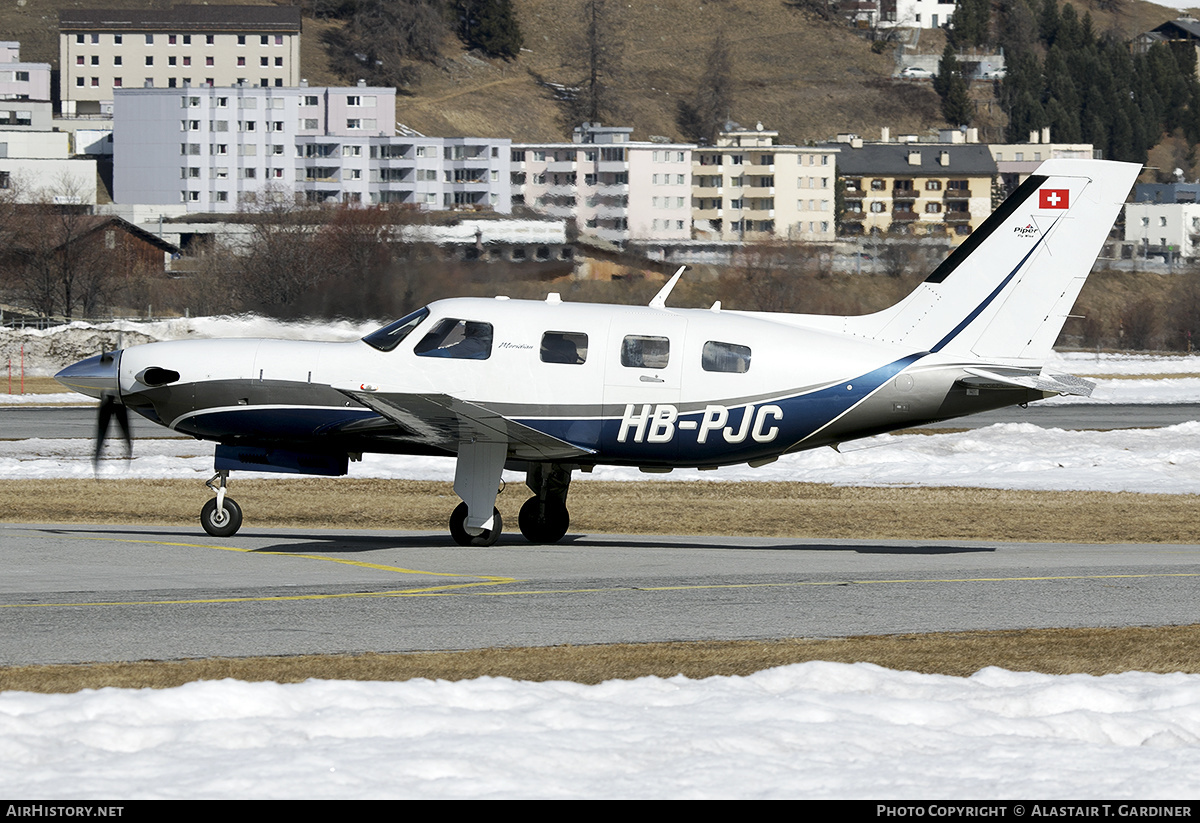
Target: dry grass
(800,510)
(35,385)
(1052,651)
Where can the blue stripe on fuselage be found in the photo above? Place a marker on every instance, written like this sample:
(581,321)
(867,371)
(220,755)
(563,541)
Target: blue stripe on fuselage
(792,418)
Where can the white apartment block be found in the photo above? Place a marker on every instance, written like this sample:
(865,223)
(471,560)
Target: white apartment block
(219,149)
(917,14)
(1166,229)
(612,187)
(37,167)
(1016,161)
(24,91)
(749,188)
(101,50)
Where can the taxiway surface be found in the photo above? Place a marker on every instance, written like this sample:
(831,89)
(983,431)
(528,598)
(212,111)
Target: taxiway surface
(89,593)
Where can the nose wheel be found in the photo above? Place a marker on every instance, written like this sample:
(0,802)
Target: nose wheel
(223,522)
(221,516)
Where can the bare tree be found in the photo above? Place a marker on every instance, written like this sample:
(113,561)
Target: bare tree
(596,54)
(705,116)
(284,262)
(382,37)
(56,256)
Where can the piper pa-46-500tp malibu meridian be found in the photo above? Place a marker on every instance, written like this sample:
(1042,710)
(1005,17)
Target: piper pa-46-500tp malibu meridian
(550,387)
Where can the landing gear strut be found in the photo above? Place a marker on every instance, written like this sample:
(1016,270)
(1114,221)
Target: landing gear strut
(477,481)
(222,516)
(544,517)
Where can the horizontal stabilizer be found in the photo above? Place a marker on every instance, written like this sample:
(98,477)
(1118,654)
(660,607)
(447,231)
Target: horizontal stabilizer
(1041,381)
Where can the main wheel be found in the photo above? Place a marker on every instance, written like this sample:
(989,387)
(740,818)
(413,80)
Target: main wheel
(458,528)
(222,523)
(543,523)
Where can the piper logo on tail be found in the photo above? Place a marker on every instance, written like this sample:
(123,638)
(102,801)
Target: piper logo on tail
(1053,198)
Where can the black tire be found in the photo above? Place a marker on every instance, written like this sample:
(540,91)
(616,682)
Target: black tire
(224,524)
(543,523)
(458,529)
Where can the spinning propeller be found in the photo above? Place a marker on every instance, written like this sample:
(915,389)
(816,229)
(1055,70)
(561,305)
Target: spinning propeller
(99,377)
(111,407)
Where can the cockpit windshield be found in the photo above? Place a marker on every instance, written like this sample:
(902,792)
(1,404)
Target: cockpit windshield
(391,335)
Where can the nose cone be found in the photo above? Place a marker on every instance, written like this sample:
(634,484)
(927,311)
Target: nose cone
(97,376)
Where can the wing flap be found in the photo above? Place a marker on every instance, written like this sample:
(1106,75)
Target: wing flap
(445,421)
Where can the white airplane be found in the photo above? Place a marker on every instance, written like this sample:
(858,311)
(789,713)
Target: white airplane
(550,387)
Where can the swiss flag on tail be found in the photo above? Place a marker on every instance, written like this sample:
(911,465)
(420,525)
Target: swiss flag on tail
(1053,198)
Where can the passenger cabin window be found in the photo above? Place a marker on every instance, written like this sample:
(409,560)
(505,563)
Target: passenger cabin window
(725,357)
(390,336)
(457,339)
(564,347)
(639,352)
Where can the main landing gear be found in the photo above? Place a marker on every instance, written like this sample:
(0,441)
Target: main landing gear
(544,517)
(221,516)
(486,537)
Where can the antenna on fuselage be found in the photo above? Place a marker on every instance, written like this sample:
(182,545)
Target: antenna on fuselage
(660,299)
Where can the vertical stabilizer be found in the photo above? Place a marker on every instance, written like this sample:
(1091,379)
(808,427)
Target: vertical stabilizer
(1004,294)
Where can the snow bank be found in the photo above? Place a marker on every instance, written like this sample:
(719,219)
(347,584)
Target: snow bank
(813,730)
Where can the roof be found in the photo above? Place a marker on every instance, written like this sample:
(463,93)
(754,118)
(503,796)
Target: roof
(892,159)
(91,224)
(1184,28)
(183,18)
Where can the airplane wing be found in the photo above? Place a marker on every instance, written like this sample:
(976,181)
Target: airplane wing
(1043,381)
(446,421)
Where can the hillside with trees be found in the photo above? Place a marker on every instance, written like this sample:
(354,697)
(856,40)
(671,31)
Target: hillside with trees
(531,69)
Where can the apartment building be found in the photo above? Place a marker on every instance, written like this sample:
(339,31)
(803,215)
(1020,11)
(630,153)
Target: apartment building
(917,14)
(1167,230)
(24,91)
(37,167)
(1016,161)
(611,186)
(218,149)
(101,50)
(915,188)
(749,188)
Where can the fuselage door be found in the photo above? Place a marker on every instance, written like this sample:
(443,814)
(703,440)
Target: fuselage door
(645,360)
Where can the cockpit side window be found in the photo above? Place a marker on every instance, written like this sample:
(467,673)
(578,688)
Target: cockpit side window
(644,352)
(391,335)
(457,339)
(725,357)
(564,347)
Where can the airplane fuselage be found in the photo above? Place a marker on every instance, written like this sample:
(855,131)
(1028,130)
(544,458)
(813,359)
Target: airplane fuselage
(648,387)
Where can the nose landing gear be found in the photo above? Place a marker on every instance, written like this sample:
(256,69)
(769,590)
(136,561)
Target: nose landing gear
(221,516)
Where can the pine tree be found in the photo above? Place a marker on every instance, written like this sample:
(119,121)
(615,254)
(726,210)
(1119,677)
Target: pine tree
(490,26)
(952,87)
